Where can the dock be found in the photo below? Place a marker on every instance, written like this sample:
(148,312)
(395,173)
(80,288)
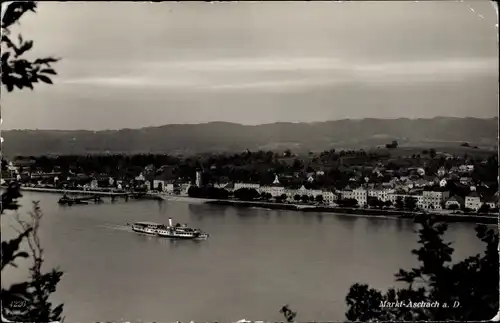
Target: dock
(66,200)
(83,196)
(79,192)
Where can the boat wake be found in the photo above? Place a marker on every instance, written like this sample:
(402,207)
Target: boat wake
(115,227)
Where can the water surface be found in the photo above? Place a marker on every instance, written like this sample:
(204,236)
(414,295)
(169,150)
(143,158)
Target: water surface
(255,261)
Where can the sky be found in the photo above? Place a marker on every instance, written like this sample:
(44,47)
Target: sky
(139,64)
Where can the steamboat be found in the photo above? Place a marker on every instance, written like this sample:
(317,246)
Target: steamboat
(171,231)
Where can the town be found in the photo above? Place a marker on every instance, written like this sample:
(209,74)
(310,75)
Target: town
(383,178)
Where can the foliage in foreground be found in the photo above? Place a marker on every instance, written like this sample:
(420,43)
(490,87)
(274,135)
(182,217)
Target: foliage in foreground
(29,300)
(472,284)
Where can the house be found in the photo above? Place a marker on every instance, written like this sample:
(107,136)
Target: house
(361,195)
(491,201)
(304,191)
(466,180)
(466,168)
(434,198)
(94,184)
(443,182)
(441,172)
(456,200)
(140,178)
(473,201)
(381,194)
(329,197)
(275,189)
(237,186)
(346,194)
(421,183)
(164,182)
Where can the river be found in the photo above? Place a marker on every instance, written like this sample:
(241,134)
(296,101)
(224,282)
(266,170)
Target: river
(255,261)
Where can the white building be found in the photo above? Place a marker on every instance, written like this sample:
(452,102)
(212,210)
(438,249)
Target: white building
(237,186)
(361,195)
(304,191)
(329,197)
(94,184)
(198,182)
(455,200)
(473,201)
(276,189)
(346,194)
(434,199)
(381,194)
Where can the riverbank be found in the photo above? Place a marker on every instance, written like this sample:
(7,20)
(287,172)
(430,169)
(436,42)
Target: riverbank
(378,213)
(395,214)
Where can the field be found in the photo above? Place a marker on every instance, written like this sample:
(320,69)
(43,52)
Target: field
(457,151)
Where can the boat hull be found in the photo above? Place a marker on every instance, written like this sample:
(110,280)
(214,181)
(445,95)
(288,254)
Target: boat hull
(145,231)
(174,236)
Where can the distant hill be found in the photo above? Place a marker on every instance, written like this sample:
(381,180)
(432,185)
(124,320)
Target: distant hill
(228,137)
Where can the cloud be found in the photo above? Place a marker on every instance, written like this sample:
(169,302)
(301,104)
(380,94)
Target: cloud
(282,74)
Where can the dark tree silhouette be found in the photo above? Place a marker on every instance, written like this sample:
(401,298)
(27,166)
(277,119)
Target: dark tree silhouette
(17,72)
(392,145)
(347,202)
(484,208)
(246,194)
(410,203)
(400,204)
(470,283)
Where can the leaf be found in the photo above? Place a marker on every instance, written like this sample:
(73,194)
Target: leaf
(15,10)
(24,47)
(48,71)
(44,79)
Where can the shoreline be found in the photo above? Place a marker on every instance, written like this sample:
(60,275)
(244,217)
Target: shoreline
(374,213)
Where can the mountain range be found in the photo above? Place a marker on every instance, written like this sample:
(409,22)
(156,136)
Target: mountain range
(232,137)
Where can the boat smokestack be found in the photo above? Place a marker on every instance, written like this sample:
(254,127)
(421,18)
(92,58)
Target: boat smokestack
(170,222)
